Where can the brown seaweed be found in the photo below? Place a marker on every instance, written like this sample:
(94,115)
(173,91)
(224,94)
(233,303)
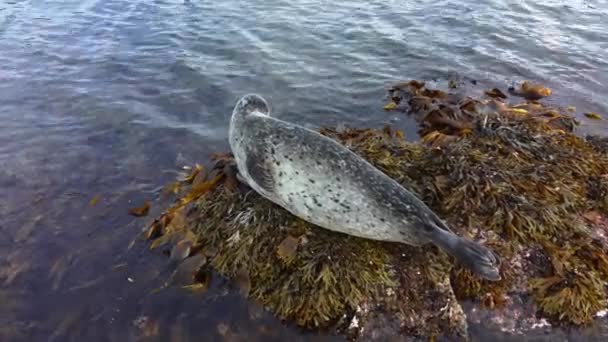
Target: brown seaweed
(140,211)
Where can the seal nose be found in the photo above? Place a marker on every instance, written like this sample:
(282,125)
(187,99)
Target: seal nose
(252,103)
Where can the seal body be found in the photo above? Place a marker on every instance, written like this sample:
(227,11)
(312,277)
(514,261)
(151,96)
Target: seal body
(321,181)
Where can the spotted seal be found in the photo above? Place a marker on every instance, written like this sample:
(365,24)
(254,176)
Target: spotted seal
(319,180)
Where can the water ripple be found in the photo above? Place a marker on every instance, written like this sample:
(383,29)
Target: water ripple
(101,96)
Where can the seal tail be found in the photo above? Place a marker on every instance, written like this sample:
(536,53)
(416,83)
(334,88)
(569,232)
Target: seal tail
(251,104)
(478,258)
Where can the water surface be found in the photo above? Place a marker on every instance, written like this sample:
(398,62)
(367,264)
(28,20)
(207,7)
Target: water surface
(106,99)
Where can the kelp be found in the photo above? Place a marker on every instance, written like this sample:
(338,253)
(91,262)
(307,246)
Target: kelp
(512,175)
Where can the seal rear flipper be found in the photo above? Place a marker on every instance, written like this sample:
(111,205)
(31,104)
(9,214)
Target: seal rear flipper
(476,257)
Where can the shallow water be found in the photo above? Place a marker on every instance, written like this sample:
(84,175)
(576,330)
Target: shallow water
(106,99)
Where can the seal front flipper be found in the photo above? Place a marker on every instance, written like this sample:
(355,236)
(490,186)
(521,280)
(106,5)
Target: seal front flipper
(260,170)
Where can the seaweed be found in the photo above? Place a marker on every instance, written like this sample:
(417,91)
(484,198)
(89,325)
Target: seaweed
(526,178)
(513,175)
(326,276)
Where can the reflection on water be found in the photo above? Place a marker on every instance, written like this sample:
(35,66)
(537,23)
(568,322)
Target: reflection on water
(106,99)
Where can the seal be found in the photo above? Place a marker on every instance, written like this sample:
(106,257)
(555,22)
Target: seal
(321,181)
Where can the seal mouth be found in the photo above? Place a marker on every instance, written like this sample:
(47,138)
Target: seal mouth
(252,103)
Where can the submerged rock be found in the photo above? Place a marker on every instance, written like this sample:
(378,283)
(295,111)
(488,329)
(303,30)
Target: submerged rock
(513,176)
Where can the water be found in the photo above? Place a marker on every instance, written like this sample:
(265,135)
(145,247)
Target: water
(105,99)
